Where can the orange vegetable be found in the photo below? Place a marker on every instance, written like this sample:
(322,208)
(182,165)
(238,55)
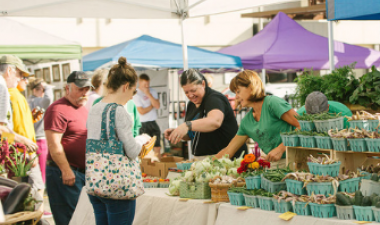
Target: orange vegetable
(249,158)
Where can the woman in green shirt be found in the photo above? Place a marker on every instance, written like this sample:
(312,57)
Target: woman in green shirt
(268,117)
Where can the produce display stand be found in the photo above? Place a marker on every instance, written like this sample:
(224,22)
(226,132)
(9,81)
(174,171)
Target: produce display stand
(296,158)
(21,217)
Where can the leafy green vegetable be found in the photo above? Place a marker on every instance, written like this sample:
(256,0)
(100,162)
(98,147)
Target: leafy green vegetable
(337,86)
(368,91)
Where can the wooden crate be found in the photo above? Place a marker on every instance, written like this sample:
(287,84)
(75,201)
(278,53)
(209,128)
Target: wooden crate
(297,157)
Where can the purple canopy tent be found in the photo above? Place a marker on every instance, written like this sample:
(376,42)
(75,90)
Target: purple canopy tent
(285,45)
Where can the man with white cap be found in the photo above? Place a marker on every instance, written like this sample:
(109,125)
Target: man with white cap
(12,71)
(66,134)
(316,102)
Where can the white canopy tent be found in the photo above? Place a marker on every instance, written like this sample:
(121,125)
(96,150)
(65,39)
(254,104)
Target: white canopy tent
(130,9)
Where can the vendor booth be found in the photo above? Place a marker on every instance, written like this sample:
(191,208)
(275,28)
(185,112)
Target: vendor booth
(285,45)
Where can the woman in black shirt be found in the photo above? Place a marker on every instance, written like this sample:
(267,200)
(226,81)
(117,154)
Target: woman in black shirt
(210,121)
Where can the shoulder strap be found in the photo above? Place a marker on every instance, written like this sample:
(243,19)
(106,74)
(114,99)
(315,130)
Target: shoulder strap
(103,132)
(112,125)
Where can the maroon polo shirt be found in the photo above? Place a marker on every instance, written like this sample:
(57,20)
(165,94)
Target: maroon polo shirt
(64,117)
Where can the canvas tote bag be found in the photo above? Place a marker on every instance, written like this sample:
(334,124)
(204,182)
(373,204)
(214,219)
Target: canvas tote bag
(109,172)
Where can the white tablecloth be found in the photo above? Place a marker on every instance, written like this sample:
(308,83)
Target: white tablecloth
(155,208)
(229,214)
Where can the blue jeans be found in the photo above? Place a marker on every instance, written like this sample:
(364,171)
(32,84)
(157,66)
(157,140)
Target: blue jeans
(113,212)
(62,198)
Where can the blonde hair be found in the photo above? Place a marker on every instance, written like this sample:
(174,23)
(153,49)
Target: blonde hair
(249,79)
(99,77)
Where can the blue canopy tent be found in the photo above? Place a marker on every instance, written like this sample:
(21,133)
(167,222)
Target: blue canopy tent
(353,10)
(349,10)
(154,52)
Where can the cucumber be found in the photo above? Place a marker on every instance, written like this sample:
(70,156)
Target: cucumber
(342,200)
(358,198)
(367,201)
(375,177)
(352,200)
(375,200)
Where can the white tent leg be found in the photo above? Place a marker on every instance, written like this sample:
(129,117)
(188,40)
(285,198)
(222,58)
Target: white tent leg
(331,46)
(185,67)
(263,73)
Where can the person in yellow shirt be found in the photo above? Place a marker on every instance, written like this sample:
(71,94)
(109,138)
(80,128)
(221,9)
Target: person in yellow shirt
(21,113)
(23,125)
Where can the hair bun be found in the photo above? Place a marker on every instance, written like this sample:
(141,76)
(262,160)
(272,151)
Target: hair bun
(122,60)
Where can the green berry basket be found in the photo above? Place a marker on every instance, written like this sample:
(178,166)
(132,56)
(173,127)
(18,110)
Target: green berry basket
(373,145)
(349,185)
(163,184)
(282,206)
(295,187)
(340,144)
(322,125)
(323,142)
(358,144)
(266,203)
(150,184)
(250,200)
(376,214)
(302,208)
(345,212)
(363,213)
(365,175)
(253,182)
(271,186)
(323,188)
(360,124)
(373,124)
(183,166)
(337,123)
(324,169)
(306,125)
(290,140)
(323,210)
(196,190)
(236,198)
(307,141)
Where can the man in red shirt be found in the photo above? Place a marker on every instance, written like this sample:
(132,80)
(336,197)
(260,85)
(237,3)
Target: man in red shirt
(66,134)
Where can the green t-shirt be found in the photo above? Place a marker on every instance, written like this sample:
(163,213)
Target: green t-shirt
(334,107)
(132,111)
(266,132)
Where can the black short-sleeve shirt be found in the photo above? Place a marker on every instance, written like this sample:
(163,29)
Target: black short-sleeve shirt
(211,143)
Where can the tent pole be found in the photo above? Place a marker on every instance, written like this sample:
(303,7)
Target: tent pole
(263,73)
(331,46)
(185,67)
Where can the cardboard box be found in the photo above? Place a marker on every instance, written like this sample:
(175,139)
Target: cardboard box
(159,169)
